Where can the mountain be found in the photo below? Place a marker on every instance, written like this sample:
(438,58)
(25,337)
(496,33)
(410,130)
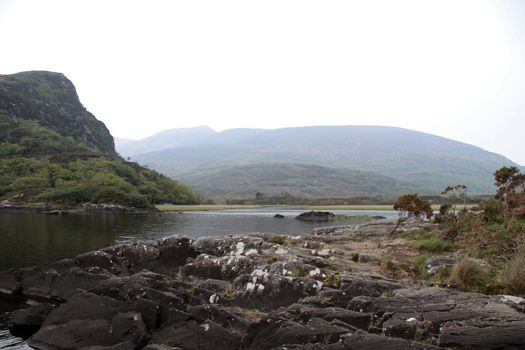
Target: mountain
(167,139)
(297,180)
(51,100)
(119,142)
(422,160)
(53,150)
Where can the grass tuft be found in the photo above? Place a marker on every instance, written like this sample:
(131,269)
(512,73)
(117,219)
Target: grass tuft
(512,274)
(468,275)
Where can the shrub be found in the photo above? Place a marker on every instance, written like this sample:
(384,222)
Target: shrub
(512,275)
(333,281)
(66,195)
(467,274)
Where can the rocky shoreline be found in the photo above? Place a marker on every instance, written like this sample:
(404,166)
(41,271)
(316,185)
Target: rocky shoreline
(324,290)
(7,207)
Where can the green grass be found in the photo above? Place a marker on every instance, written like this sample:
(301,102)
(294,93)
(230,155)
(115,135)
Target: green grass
(428,241)
(419,266)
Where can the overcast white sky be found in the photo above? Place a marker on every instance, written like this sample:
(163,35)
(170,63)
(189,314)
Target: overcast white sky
(452,68)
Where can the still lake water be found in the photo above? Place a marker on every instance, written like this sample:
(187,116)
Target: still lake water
(31,239)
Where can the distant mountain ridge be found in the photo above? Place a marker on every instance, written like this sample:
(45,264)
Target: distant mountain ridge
(167,139)
(421,160)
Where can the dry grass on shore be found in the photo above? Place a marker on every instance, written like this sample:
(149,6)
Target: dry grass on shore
(202,207)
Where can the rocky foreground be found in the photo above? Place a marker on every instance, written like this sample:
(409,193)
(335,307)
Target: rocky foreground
(325,290)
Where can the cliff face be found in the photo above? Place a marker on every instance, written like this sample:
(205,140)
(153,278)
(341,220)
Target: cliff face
(51,100)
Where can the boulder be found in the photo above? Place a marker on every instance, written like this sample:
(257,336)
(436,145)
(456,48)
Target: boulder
(192,335)
(317,216)
(268,291)
(27,321)
(73,334)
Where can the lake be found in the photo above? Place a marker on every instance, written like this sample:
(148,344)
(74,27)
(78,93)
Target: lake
(31,239)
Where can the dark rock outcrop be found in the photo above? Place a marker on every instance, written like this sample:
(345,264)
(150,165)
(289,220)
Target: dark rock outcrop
(230,293)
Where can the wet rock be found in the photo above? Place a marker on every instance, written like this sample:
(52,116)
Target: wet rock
(138,256)
(27,321)
(353,287)
(483,335)
(356,319)
(120,346)
(275,331)
(73,334)
(225,317)
(294,268)
(174,251)
(194,336)
(216,286)
(58,284)
(318,216)
(130,327)
(278,216)
(160,347)
(10,282)
(265,291)
(455,318)
(227,267)
(401,328)
(204,266)
(362,340)
(236,246)
(100,259)
(230,292)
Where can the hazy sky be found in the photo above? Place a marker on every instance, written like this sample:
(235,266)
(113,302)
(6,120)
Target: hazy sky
(452,68)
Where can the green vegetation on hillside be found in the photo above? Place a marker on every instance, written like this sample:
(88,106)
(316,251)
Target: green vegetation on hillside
(271,183)
(40,161)
(38,164)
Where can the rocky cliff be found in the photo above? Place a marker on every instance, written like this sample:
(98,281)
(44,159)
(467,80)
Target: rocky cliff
(51,99)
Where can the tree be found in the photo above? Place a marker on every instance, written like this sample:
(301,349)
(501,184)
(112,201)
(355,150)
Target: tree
(456,192)
(508,180)
(410,206)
